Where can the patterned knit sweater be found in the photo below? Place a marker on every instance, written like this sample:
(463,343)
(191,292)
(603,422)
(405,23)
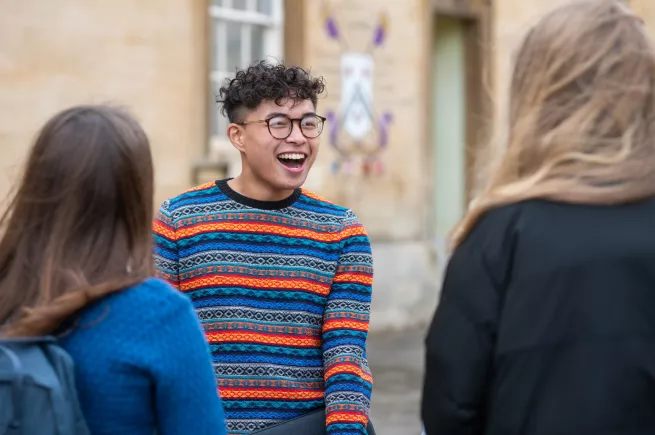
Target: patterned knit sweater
(283,291)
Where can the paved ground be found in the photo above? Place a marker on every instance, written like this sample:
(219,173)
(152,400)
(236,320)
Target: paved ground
(396,360)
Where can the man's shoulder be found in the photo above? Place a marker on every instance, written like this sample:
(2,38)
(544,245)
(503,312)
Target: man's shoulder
(195,195)
(323,204)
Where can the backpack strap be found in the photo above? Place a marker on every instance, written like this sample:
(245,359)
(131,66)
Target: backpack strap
(63,364)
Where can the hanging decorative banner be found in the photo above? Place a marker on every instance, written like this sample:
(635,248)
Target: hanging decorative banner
(357,94)
(356,131)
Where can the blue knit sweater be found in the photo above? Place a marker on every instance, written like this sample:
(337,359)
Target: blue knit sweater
(142,364)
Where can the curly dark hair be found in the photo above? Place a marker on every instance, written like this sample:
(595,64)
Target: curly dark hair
(265,81)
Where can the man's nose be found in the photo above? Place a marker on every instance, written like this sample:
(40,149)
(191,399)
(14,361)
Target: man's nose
(296,135)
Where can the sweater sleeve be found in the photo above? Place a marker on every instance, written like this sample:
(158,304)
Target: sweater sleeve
(461,338)
(348,380)
(185,390)
(165,247)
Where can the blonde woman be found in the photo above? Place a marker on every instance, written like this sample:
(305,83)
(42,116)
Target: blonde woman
(546,323)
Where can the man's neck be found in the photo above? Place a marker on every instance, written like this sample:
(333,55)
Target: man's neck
(255,190)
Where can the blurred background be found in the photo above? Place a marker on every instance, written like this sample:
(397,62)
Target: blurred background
(411,90)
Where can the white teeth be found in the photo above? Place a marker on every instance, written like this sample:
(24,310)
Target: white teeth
(291,156)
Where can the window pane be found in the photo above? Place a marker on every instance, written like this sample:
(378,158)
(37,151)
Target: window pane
(265,6)
(257,47)
(213,45)
(239,4)
(233,45)
(213,109)
(222,126)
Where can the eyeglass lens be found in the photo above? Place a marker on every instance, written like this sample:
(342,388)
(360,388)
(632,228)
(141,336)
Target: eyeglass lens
(281,126)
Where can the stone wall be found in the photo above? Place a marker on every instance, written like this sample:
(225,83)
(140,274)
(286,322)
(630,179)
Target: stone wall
(67,52)
(376,48)
(395,204)
(154,61)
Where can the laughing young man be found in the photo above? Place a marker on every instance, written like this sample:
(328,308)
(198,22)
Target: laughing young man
(280,277)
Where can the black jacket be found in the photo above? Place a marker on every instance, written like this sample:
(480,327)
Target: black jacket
(546,325)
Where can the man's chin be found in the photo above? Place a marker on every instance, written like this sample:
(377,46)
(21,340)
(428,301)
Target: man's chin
(295,183)
(291,181)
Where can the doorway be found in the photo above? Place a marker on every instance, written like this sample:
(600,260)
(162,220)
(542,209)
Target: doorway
(456,116)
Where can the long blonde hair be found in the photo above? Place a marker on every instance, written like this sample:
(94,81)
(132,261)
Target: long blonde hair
(581,113)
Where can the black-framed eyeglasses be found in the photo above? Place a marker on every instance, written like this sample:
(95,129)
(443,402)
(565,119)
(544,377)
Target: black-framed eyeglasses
(281,126)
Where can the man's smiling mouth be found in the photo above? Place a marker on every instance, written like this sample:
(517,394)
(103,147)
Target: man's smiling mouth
(293,161)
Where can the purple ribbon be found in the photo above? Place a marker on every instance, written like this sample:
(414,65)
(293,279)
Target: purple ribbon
(331,27)
(333,126)
(385,120)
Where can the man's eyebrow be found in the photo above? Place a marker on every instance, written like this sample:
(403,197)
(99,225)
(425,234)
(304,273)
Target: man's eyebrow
(274,114)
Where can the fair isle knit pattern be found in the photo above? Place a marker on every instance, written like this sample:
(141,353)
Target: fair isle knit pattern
(283,291)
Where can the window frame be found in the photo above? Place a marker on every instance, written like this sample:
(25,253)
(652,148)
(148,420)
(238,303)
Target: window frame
(273,49)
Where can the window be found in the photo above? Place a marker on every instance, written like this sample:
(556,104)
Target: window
(242,32)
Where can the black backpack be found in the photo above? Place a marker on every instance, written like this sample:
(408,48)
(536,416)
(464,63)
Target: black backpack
(37,389)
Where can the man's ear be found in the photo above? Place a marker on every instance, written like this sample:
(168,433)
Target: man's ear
(235,134)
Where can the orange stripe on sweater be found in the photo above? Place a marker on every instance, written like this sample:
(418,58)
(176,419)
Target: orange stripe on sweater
(246,337)
(204,186)
(263,282)
(163,230)
(316,197)
(348,368)
(362,278)
(345,324)
(346,417)
(355,230)
(252,227)
(242,393)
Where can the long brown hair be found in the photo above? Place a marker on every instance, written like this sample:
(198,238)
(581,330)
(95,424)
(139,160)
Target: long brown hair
(79,225)
(581,113)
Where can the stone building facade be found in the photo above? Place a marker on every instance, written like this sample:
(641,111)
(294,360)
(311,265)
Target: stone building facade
(411,90)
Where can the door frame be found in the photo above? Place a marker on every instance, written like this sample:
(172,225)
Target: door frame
(477,15)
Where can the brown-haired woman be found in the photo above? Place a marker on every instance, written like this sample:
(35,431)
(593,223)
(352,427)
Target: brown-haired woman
(546,323)
(76,260)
